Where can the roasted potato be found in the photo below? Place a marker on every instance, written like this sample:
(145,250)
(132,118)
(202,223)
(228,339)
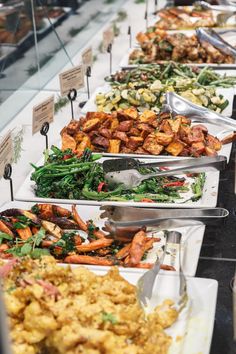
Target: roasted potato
(175,148)
(90,125)
(152,146)
(114,146)
(68,142)
(164,139)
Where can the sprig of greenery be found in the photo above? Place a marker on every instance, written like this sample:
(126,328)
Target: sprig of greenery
(29,247)
(109,317)
(60,103)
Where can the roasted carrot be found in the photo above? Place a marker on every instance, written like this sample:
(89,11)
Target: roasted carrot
(5,229)
(105,242)
(78,220)
(45,210)
(127,261)
(156,239)
(78,259)
(46,243)
(167,267)
(123,252)
(34,230)
(24,233)
(137,248)
(150,265)
(78,240)
(59,211)
(149,244)
(144,265)
(99,234)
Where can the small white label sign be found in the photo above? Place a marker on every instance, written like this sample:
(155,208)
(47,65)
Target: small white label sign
(108,37)
(87,57)
(6,152)
(71,79)
(43,112)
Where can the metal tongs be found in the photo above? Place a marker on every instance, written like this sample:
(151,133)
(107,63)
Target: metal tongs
(221,8)
(210,36)
(146,282)
(126,221)
(180,105)
(216,163)
(131,177)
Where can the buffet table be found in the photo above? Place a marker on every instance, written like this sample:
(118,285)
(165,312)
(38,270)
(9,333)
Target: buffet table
(57,199)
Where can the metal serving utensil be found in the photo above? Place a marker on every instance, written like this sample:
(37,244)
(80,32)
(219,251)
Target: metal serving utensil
(129,163)
(132,178)
(210,36)
(126,221)
(146,282)
(221,8)
(180,105)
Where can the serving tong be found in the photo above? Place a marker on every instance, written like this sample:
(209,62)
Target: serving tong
(131,177)
(147,280)
(179,105)
(126,221)
(221,8)
(212,37)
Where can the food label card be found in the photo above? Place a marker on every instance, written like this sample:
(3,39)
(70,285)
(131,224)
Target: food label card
(71,79)
(43,112)
(87,57)
(108,37)
(6,152)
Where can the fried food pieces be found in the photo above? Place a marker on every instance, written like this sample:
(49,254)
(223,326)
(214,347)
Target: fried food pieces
(64,311)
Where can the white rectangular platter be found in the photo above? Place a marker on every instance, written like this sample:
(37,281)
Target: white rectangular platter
(192,238)
(208,200)
(192,332)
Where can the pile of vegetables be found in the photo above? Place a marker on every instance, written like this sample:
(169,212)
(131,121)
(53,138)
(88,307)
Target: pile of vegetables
(144,87)
(169,74)
(48,229)
(152,96)
(66,176)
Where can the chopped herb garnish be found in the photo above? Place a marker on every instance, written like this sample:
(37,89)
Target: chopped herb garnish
(109,317)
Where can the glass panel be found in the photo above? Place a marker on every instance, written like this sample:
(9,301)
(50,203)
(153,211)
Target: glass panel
(30,59)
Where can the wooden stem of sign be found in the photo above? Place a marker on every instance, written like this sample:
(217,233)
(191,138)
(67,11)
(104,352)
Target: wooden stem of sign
(130,36)
(7,175)
(109,50)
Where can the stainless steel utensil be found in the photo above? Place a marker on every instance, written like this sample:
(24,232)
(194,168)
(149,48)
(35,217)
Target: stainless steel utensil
(222,18)
(110,165)
(180,105)
(132,178)
(221,8)
(126,221)
(146,282)
(210,36)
